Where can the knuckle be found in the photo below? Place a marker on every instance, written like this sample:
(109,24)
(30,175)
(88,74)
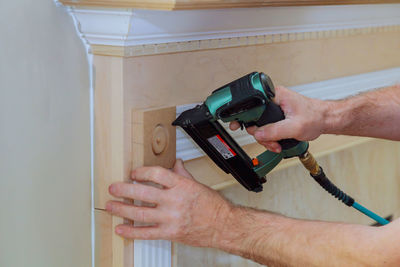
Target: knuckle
(299,128)
(129,232)
(176,232)
(138,192)
(141,215)
(158,171)
(130,190)
(116,208)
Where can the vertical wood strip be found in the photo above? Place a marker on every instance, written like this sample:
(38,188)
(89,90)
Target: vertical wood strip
(110,162)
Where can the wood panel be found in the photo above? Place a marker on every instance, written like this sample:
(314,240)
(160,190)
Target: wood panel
(208,4)
(369,172)
(189,77)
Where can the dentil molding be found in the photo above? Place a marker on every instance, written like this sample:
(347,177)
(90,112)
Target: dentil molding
(186,29)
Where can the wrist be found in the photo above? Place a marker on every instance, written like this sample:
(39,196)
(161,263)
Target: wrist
(331,116)
(243,231)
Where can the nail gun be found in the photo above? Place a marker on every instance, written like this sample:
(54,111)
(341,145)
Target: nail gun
(249,100)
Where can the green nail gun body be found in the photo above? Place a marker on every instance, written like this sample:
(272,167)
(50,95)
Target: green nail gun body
(249,101)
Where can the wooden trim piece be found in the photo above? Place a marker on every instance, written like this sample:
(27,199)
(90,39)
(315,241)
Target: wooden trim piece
(110,164)
(110,249)
(153,144)
(212,4)
(153,137)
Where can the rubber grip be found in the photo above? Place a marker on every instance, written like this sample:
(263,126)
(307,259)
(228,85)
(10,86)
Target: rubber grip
(271,114)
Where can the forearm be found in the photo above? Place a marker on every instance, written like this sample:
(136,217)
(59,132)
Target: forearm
(374,114)
(275,240)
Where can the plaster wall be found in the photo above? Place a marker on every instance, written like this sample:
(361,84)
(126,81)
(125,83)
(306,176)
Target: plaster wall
(44,138)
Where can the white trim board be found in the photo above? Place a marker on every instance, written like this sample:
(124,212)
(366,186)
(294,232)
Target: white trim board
(132,27)
(152,253)
(187,149)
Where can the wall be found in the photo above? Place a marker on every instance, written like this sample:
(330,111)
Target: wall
(44,138)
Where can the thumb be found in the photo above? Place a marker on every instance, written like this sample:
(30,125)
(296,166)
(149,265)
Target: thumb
(179,168)
(274,131)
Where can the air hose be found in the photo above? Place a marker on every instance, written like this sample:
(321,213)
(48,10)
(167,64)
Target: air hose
(319,176)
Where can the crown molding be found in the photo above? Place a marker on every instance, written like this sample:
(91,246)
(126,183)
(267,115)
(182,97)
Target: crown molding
(133,27)
(187,149)
(212,4)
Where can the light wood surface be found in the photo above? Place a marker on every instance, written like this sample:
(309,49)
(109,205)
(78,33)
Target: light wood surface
(153,137)
(208,4)
(111,163)
(189,77)
(103,238)
(369,172)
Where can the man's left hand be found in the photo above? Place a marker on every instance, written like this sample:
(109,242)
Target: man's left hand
(184,210)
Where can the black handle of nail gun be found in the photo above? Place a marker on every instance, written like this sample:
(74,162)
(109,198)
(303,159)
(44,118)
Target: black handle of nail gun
(274,113)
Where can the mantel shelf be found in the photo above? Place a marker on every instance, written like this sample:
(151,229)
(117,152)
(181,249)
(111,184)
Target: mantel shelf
(211,4)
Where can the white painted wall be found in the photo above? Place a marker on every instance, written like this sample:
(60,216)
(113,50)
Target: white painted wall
(44,138)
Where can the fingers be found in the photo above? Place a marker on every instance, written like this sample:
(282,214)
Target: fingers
(234,125)
(272,146)
(280,92)
(157,175)
(142,233)
(134,213)
(141,192)
(275,131)
(251,130)
(179,168)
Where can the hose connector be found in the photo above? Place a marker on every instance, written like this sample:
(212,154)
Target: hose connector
(310,163)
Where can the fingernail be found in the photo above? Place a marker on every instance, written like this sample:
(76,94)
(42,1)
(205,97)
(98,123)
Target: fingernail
(111,189)
(118,230)
(109,206)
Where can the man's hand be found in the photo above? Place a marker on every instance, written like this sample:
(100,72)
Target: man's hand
(185,210)
(304,120)
(373,114)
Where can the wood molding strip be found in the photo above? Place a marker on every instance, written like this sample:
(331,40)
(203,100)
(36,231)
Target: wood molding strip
(338,88)
(212,4)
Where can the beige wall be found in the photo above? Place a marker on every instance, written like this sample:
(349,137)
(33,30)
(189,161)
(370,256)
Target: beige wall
(44,138)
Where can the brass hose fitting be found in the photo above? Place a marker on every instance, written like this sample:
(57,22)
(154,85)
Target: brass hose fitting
(310,163)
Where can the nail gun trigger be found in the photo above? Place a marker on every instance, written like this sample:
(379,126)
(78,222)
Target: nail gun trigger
(241,123)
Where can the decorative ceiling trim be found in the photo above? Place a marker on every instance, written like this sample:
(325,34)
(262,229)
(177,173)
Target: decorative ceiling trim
(194,29)
(332,89)
(176,47)
(215,4)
